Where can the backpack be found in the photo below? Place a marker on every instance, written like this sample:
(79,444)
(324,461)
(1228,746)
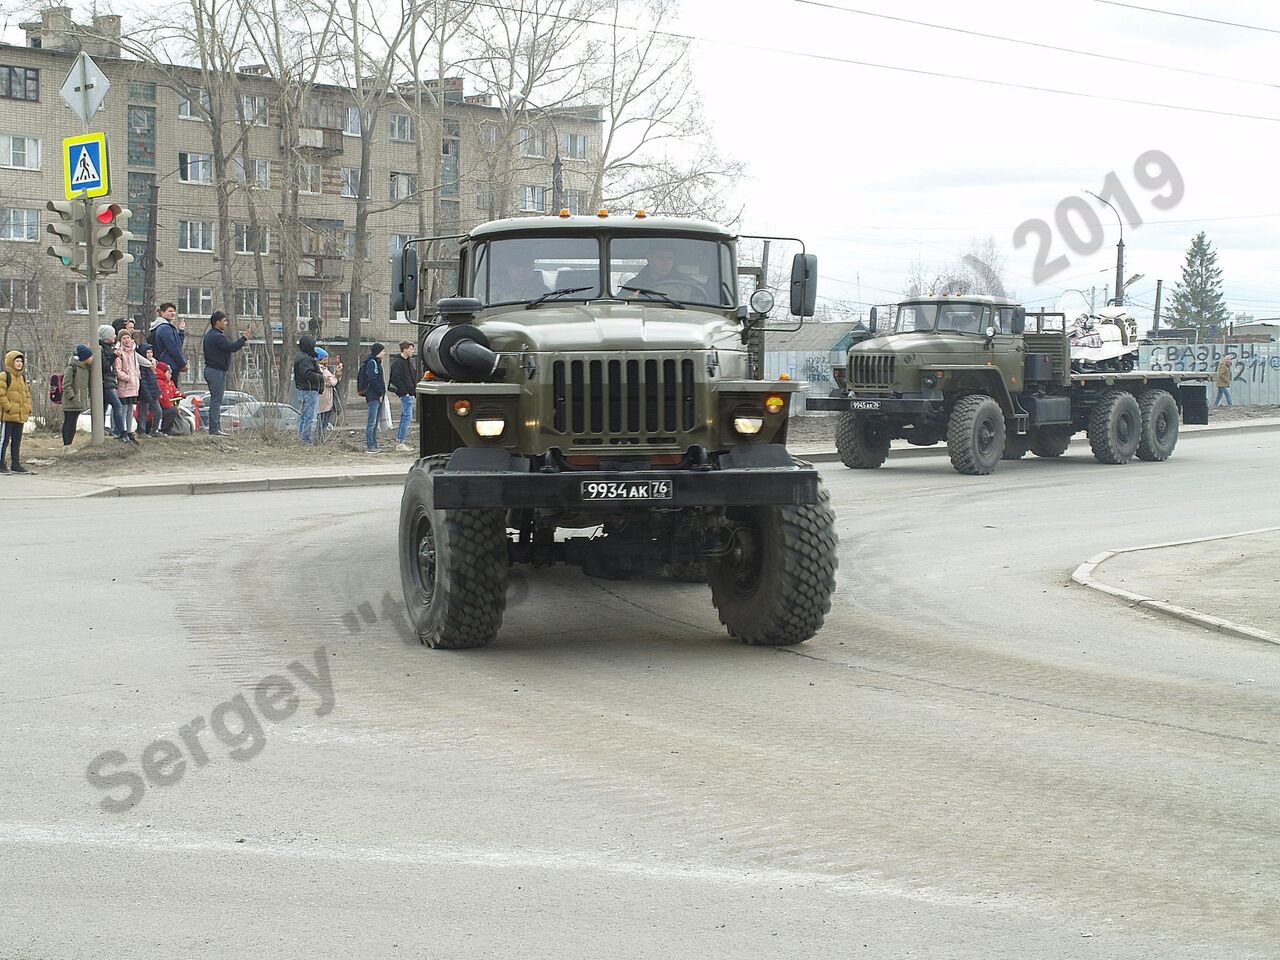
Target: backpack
(55,388)
(362,379)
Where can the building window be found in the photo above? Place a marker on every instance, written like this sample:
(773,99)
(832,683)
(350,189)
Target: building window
(195,301)
(145,92)
(449,176)
(259,172)
(533,143)
(323,238)
(452,127)
(142,136)
(450,211)
(403,185)
(78,297)
(19,153)
(350,182)
(310,178)
(533,199)
(187,110)
(19,83)
(344,306)
(575,201)
(573,146)
(349,244)
(251,303)
(195,236)
(243,235)
(19,223)
(402,128)
(396,242)
(352,126)
(137,282)
(309,305)
(139,191)
(19,296)
(195,167)
(252,110)
(484,196)
(489,135)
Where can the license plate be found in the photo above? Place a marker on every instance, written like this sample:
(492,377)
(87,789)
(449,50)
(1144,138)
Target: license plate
(864,404)
(626,489)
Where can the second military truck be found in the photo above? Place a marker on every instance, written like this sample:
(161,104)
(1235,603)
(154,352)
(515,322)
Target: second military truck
(967,371)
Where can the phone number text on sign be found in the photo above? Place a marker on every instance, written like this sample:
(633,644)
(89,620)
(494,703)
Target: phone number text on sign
(1078,222)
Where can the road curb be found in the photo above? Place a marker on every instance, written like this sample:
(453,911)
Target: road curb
(1084,575)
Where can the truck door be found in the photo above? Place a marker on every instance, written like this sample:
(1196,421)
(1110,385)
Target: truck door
(1007,348)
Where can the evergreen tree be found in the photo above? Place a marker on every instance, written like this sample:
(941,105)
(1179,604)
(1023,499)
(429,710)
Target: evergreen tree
(1197,299)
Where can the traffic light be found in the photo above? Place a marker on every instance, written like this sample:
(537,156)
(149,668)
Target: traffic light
(68,228)
(111,236)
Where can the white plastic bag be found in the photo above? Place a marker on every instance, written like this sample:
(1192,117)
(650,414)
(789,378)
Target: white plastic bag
(384,416)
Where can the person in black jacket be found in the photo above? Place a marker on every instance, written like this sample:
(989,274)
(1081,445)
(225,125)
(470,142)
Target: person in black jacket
(403,381)
(149,416)
(372,385)
(308,380)
(218,348)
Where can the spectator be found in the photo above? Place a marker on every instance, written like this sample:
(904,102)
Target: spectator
(335,366)
(76,393)
(403,382)
(371,385)
(169,397)
(15,408)
(218,348)
(148,392)
(110,397)
(308,380)
(167,335)
(1224,380)
(128,378)
(324,405)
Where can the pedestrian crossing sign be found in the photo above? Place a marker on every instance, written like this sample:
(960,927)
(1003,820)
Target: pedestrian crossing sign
(85,166)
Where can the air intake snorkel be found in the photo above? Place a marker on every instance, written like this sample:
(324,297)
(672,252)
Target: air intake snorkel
(456,349)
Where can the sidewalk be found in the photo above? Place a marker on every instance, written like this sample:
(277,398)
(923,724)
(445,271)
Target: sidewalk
(240,477)
(1226,583)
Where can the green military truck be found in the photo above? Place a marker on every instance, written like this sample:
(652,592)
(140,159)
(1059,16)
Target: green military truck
(589,399)
(993,383)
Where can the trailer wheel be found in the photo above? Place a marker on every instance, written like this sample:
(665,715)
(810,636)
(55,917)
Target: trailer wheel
(453,565)
(1015,445)
(863,444)
(773,585)
(1115,427)
(1159,413)
(975,435)
(1050,441)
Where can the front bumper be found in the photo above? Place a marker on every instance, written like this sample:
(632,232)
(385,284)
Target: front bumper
(909,406)
(472,485)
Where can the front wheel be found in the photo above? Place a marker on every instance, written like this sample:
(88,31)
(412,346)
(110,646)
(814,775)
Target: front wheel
(975,435)
(863,444)
(453,565)
(772,586)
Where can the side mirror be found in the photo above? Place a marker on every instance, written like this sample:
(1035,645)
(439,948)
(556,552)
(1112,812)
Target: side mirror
(404,281)
(1019,323)
(804,284)
(871,323)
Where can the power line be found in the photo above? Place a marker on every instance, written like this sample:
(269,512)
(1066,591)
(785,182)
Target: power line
(847,61)
(1188,16)
(1032,43)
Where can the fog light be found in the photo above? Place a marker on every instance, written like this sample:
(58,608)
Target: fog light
(774,403)
(462,407)
(748,426)
(490,427)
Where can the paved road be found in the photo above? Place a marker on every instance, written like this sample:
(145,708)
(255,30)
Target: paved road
(973,759)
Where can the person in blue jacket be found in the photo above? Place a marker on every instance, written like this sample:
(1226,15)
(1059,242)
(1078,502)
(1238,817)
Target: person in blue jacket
(372,385)
(167,335)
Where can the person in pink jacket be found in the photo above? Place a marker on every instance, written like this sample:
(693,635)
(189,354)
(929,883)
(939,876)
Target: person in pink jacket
(128,379)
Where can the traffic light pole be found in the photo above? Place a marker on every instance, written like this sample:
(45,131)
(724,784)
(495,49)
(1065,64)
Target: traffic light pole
(96,399)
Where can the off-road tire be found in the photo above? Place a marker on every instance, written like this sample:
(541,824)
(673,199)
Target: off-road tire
(1016,445)
(862,443)
(779,593)
(467,594)
(1159,413)
(1050,442)
(1115,427)
(975,435)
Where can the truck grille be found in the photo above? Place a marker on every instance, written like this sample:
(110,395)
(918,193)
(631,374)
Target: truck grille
(871,371)
(603,401)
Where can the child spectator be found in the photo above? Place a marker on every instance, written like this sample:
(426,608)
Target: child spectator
(15,408)
(169,397)
(324,406)
(76,393)
(148,392)
(128,380)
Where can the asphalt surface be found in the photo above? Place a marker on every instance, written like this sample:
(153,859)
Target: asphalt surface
(973,759)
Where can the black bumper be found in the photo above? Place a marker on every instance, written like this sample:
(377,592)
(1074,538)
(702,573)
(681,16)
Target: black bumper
(460,487)
(895,405)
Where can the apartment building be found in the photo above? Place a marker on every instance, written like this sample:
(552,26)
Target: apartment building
(163,169)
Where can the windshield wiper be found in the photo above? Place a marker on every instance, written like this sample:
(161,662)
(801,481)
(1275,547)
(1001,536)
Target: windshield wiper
(562,292)
(654,293)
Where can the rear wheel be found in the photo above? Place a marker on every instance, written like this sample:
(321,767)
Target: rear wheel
(1115,427)
(975,435)
(1159,413)
(453,565)
(773,584)
(1050,441)
(863,444)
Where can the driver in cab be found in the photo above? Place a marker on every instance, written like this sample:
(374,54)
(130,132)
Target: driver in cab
(514,282)
(660,275)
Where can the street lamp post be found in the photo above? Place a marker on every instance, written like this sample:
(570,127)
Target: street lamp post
(1119,298)
(557,168)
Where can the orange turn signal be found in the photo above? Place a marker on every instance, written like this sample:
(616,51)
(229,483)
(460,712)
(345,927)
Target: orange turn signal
(602,212)
(774,403)
(640,214)
(564,213)
(462,407)
(784,376)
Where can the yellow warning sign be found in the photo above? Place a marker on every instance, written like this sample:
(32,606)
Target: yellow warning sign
(85,166)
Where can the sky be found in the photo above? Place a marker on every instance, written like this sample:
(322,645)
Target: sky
(875,167)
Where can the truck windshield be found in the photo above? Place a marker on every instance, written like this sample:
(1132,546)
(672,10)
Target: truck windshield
(951,317)
(518,270)
(679,268)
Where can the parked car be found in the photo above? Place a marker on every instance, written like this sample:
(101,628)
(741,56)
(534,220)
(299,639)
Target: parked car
(229,399)
(184,424)
(256,414)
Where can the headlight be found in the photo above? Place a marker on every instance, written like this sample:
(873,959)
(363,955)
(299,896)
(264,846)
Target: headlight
(762,301)
(748,426)
(490,427)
